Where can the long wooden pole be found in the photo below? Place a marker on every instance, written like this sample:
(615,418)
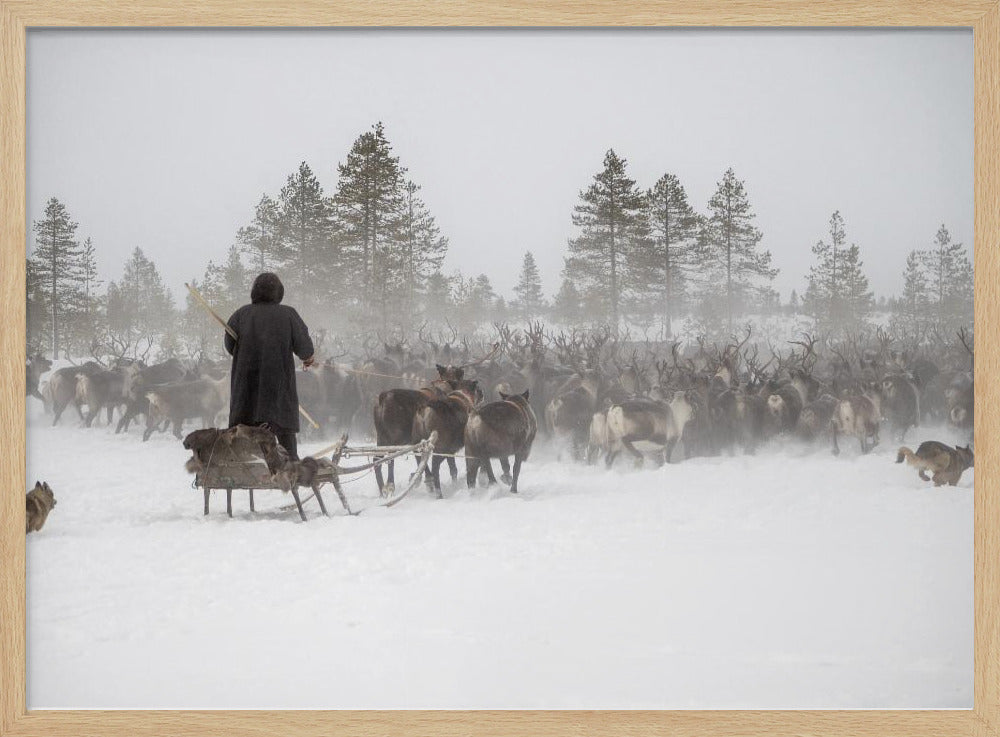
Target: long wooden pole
(232,334)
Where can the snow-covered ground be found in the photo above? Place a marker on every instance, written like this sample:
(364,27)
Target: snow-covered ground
(790,579)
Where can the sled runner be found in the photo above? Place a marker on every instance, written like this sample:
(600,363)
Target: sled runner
(245,457)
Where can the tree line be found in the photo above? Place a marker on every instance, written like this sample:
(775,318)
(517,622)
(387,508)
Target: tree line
(370,255)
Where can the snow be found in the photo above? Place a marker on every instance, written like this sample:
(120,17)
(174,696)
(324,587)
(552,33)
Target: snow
(791,579)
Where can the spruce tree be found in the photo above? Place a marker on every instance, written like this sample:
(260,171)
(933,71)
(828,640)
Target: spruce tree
(734,245)
(662,262)
(58,269)
(612,222)
(529,300)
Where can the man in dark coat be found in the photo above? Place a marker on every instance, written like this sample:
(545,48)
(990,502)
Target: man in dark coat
(262,381)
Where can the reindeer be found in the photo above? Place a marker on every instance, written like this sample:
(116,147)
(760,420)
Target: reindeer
(139,379)
(900,403)
(499,430)
(201,398)
(816,416)
(860,416)
(60,391)
(394,413)
(34,367)
(100,390)
(447,416)
(651,422)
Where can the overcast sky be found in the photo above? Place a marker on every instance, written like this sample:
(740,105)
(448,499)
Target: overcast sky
(167,139)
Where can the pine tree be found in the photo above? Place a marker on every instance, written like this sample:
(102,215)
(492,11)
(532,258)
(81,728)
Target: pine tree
(437,302)
(793,303)
(912,306)
(140,308)
(662,262)
(475,301)
(88,299)
(370,202)
(611,219)
(733,244)
(838,296)
(57,267)
(529,300)
(949,282)
(422,247)
(261,240)
(36,309)
(567,307)
(312,266)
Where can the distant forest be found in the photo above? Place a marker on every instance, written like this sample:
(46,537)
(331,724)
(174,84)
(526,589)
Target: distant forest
(369,257)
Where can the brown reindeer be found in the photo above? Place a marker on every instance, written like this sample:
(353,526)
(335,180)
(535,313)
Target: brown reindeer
(447,416)
(395,411)
(499,430)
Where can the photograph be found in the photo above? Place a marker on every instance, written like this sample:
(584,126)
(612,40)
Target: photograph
(500,368)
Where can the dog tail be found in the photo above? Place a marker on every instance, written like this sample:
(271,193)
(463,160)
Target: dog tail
(904,454)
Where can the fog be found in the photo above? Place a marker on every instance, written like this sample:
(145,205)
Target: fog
(166,139)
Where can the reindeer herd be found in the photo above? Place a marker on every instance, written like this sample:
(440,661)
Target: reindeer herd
(594,394)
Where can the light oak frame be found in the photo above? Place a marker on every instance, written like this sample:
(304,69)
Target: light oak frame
(16,16)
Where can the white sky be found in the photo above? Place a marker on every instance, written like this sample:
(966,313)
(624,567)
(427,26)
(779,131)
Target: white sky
(167,139)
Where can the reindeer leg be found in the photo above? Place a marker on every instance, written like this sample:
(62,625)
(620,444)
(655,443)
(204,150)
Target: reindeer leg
(436,475)
(669,449)
(390,486)
(609,460)
(471,471)
(627,442)
(505,465)
(517,474)
(379,478)
(453,468)
(836,448)
(488,467)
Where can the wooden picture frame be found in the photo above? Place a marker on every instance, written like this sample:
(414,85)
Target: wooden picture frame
(16,16)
